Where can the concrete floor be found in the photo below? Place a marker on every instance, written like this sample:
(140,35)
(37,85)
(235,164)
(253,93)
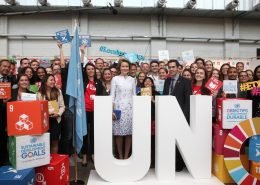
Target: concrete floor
(83,172)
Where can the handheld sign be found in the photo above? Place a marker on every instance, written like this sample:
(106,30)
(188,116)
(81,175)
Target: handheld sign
(230,86)
(85,40)
(146,91)
(163,55)
(63,36)
(188,56)
(5,90)
(213,84)
(28,97)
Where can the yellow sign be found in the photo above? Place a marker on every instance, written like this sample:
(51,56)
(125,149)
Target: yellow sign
(249,85)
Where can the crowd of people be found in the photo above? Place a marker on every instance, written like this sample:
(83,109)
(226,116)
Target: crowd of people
(121,80)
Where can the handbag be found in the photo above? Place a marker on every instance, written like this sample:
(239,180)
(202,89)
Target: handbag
(117,114)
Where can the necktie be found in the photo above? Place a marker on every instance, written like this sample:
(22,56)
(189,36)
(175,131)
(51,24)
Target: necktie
(171,87)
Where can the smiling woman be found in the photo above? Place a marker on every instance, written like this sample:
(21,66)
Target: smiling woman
(48,91)
(199,82)
(122,92)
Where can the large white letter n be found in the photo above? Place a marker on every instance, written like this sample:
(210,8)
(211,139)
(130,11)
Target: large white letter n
(194,142)
(136,167)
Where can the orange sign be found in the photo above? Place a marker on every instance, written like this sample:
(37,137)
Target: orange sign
(27,118)
(5,90)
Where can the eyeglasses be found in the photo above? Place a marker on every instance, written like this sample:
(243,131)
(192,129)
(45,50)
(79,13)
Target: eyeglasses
(171,67)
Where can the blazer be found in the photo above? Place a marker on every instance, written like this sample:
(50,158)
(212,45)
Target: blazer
(98,84)
(182,91)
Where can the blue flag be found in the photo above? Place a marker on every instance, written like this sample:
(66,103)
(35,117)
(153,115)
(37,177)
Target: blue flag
(76,92)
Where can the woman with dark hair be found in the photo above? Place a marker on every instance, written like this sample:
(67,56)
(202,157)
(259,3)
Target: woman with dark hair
(223,72)
(209,67)
(29,72)
(149,83)
(139,81)
(106,80)
(122,92)
(92,87)
(215,73)
(23,83)
(40,75)
(187,74)
(193,68)
(200,79)
(255,97)
(48,91)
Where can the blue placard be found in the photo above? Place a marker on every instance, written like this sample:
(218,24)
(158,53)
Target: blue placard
(254,148)
(63,36)
(85,40)
(10,176)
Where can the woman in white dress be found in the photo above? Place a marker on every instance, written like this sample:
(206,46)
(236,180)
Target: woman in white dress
(122,92)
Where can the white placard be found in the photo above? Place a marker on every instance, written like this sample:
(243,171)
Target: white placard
(28,97)
(159,84)
(188,56)
(230,86)
(235,111)
(163,55)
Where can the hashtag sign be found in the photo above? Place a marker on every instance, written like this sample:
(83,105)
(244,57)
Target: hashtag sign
(255,91)
(249,85)
(242,87)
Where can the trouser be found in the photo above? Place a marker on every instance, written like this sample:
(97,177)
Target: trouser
(88,140)
(66,133)
(3,135)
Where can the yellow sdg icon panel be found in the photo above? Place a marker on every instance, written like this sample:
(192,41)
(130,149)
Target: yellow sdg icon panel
(232,146)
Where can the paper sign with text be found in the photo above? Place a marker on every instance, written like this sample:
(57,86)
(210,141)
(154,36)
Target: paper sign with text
(230,86)
(163,55)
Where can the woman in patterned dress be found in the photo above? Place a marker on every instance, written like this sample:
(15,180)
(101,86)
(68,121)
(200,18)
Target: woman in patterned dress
(122,92)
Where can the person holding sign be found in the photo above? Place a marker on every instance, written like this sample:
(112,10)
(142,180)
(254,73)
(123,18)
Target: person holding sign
(23,83)
(4,71)
(122,92)
(48,91)
(149,83)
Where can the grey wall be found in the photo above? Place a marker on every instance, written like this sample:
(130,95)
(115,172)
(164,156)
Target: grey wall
(106,28)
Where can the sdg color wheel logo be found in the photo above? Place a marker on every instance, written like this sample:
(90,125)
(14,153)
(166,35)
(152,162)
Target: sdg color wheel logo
(232,146)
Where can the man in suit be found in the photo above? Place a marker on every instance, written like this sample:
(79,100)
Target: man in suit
(177,86)
(5,66)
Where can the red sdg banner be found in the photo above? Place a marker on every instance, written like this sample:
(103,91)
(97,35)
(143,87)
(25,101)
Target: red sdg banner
(213,84)
(5,90)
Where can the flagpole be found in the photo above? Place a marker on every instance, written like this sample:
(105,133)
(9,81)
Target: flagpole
(75,181)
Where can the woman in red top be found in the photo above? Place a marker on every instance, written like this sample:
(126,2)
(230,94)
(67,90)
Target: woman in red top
(92,87)
(200,79)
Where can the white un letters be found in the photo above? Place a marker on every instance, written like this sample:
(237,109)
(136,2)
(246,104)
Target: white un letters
(194,142)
